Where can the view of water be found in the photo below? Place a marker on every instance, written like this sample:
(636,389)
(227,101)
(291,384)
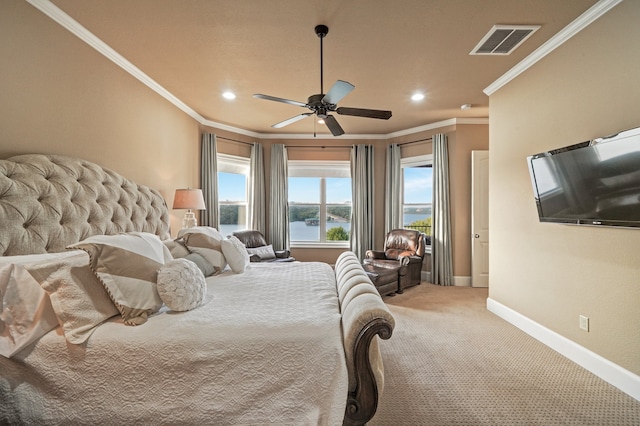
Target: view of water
(300,231)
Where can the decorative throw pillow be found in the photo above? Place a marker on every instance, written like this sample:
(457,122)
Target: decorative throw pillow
(264,252)
(79,300)
(202,264)
(181,285)
(206,242)
(236,254)
(127,265)
(177,248)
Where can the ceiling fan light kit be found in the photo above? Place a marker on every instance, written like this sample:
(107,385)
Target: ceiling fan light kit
(322,104)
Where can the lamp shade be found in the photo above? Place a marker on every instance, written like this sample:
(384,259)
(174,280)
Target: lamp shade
(188,199)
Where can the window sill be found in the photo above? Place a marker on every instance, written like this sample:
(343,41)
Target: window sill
(315,244)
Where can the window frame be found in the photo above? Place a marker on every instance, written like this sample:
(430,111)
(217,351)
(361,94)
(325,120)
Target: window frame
(322,170)
(234,164)
(415,161)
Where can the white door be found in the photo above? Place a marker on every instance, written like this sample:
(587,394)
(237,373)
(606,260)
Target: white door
(480,218)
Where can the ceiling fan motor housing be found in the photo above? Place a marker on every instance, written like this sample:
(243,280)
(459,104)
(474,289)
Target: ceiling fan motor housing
(321,30)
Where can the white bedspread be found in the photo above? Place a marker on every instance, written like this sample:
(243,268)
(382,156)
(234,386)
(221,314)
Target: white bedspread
(266,348)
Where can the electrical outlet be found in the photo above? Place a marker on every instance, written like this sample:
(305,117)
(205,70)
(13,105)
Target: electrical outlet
(584,323)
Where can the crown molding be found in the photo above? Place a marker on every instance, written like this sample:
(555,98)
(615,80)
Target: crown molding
(77,29)
(580,23)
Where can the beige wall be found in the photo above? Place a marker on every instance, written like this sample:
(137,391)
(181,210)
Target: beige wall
(60,96)
(552,273)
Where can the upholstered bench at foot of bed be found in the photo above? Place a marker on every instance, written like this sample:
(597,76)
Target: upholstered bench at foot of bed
(364,316)
(385,279)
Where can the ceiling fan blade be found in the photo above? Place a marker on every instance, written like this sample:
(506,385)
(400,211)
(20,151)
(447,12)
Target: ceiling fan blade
(273,98)
(361,112)
(333,125)
(339,90)
(291,120)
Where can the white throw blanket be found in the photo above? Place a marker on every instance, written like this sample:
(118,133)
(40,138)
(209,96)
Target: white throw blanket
(266,348)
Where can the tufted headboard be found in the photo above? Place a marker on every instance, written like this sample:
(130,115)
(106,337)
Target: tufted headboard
(50,201)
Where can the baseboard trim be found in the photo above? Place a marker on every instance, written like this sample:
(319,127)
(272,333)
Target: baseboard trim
(457,281)
(613,374)
(462,281)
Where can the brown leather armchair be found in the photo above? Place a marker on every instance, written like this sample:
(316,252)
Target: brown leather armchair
(258,249)
(403,249)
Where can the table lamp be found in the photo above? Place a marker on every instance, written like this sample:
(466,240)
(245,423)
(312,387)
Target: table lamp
(190,199)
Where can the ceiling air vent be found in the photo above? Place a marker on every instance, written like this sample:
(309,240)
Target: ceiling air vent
(503,39)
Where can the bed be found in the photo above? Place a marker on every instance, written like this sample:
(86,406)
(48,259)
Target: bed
(293,343)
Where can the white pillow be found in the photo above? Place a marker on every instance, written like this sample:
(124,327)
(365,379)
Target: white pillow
(264,252)
(181,285)
(79,299)
(236,254)
(26,313)
(127,265)
(205,241)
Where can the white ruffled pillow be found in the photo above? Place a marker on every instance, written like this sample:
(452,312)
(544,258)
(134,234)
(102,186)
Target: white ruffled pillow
(181,285)
(236,254)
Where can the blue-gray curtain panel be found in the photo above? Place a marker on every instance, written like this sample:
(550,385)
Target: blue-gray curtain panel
(209,180)
(362,212)
(393,190)
(257,198)
(279,200)
(441,259)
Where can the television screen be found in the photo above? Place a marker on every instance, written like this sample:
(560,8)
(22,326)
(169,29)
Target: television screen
(591,183)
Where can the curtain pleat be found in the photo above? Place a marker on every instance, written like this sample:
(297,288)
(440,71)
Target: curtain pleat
(279,202)
(362,214)
(209,180)
(441,259)
(393,200)
(257,194)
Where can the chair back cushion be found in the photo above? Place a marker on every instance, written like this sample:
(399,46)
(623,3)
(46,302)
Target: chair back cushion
(403,242)
(251,238)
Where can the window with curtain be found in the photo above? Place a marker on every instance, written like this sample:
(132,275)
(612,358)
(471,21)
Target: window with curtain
(233,190)
(417,190)
(319,203)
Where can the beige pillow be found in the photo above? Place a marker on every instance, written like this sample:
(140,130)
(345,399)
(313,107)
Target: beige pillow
(177,248)
(236,254)
(79,300)
(206,242)
(127,265)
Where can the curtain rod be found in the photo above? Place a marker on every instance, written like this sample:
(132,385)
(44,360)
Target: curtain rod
(419,140)
(234,140)
(318,146)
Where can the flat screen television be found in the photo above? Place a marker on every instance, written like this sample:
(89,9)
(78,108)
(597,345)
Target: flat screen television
(590,183)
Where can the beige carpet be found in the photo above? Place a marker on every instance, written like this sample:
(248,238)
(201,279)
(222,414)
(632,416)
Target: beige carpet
(452,362)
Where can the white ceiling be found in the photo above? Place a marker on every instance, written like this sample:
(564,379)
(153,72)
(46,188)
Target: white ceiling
(197,49)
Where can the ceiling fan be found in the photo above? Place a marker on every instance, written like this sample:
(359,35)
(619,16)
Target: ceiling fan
(322,104)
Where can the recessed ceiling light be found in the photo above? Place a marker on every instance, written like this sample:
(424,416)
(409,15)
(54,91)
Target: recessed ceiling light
(229,95)
(465,106)
(417,97)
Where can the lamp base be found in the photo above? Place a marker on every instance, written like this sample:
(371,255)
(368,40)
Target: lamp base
(189,220)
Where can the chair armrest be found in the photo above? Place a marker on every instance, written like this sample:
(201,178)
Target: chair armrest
(282,254)
(374,254)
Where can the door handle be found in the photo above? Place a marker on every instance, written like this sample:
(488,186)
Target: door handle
(476,235)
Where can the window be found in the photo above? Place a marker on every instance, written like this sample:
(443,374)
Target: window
(233,190)
(417,190)
(319,203)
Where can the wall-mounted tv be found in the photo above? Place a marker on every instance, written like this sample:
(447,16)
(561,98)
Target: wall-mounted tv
(590,183)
